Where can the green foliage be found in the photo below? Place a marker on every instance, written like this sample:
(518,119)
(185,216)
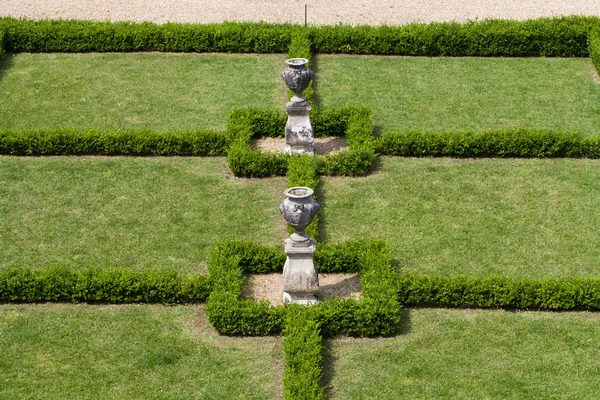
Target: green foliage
(521,142)
(247,163)
(499,292)
(243,125)
(374,315)
(121,142)
(557,37)
(226,311)
(594,47)
(352,121)
(345,257)
(2,45)
(551,37)
(85,36)
(101,286)
(302,171)
(251,257)
(360,157)
(302,346)
(231,316)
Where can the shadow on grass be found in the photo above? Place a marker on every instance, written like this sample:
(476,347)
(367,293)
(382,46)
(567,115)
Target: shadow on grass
(328,367)
(329,358)
(314,66)
(6,63)
(322,227)
(377,166)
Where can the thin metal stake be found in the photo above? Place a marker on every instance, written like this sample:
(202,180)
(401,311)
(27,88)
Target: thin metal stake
(305,15)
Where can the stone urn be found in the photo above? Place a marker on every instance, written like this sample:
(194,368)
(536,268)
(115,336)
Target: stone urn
(299,136)
(297,76)
(298,210)
(300,276)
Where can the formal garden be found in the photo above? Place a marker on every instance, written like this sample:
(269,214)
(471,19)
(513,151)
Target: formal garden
(133,206)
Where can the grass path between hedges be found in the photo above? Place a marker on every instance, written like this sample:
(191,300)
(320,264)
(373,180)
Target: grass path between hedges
(190,91)
(139,90)
(55,351)
(432,94)
(472,354)
(131,213)
(531,218)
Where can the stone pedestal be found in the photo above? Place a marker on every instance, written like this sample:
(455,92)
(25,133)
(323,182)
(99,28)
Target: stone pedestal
(299,137)
(300,277)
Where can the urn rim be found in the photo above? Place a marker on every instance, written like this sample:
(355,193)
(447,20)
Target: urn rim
(303,192)
(296,62)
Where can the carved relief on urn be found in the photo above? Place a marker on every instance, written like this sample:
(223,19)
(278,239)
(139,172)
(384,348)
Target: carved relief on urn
(297,77)
(299,209)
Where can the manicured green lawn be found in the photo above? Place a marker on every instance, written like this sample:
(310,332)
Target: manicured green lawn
(140,90)
(473,354)
(416,93)
(518,217)
(132,213)
(130,352)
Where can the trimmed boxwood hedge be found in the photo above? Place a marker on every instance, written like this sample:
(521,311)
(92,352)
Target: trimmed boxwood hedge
(87,36)
(556,37)
(499,292)
(302,346)
(549,37)
(101,286)
(352,121)
(518,142)
(376,314)
(69,141)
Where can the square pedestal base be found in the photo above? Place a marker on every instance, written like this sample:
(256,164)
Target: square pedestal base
(308,149)
(299,299)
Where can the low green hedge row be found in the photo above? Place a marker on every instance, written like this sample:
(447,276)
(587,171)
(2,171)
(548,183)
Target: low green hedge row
(101,286)
(560,37)
(499,292)
(255,258)
(594,47)
(86,36)
(302,347)
(550,37)
(68,141)
(353,122)
(519,142)
(358,159)
(375,314)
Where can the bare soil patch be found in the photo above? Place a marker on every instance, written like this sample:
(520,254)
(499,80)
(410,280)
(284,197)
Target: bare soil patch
(270,287)
(328,145)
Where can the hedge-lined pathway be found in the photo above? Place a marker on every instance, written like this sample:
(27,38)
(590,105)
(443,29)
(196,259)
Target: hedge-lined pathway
(320,12)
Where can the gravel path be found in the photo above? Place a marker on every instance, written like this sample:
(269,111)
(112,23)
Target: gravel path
(320,12)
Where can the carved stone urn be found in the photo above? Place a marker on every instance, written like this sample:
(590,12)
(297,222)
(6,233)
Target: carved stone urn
(299,137)
(300,276)
(297,76)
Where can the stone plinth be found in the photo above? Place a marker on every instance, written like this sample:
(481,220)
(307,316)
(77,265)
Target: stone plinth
(299,137)
(300,277)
